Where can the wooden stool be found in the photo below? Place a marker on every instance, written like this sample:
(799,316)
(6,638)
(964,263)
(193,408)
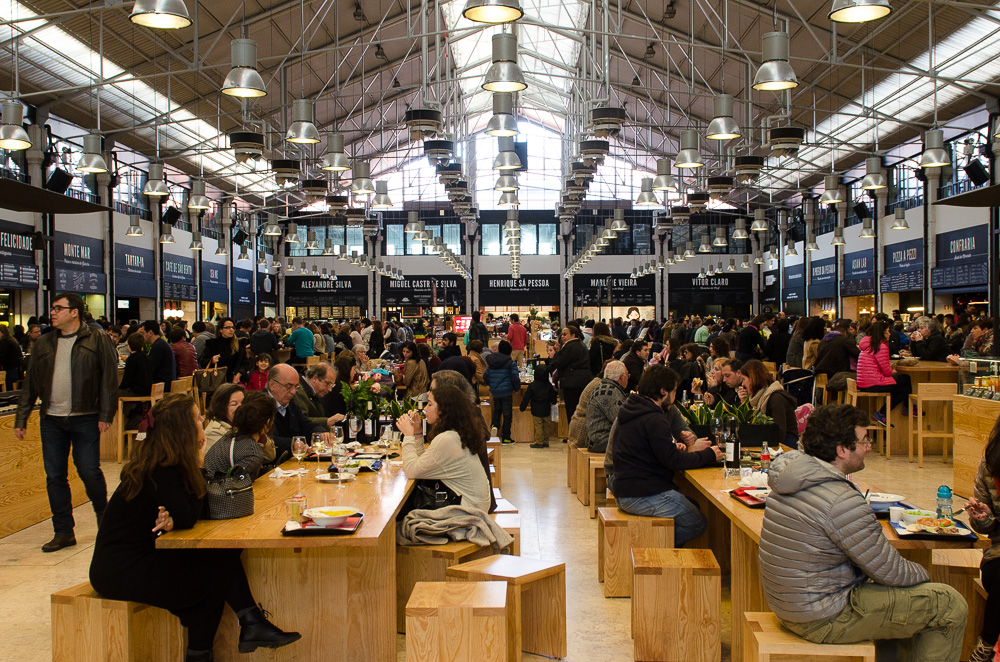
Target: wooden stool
(511,523)
(819,384)
(571,456)
(493,448)
(504,506)
(769,642)
(536,601)
(854,397)
(427,563)
(457,621)
(121,434)
(959,569)
(609,498)
(583,474)
(617,534)
(926,393)
(89,628)
(690,580)
(597,481)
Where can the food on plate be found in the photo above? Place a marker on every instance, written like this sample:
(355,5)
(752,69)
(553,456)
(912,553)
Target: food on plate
(931,522)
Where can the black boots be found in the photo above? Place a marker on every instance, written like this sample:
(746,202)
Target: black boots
(58,542)
(257,632)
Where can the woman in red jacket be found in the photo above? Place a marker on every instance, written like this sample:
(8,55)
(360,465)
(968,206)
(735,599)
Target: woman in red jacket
(875,374)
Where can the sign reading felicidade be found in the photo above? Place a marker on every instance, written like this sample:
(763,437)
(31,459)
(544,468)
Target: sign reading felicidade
(17,259)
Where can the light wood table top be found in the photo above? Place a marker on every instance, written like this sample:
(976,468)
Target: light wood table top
(378,495)
(928,366)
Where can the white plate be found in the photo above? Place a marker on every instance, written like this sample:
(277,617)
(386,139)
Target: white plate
(328,478)
(882,497)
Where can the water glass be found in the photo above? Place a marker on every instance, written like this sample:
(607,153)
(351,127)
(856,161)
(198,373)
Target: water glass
(318,447)
(299,450)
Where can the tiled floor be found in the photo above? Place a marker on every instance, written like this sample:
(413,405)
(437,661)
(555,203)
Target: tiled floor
(554,526)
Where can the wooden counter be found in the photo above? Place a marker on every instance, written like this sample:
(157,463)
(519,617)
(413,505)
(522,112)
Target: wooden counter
(522,428)
(338,591)
(23,499)
(974,420)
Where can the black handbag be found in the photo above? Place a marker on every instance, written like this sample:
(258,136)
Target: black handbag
(429,494)
(230,495)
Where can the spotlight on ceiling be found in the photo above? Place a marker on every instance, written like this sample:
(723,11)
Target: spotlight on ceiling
(493,11)
(160,14)
(858,11)
(775,73)
(243,80)
(13,137)
(504,75)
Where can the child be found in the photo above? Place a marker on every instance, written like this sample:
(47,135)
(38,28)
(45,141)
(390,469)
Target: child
(258,378)
(542,396)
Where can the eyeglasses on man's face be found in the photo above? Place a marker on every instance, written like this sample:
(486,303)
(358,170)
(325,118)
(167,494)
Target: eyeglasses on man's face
(287,387)
(59,309)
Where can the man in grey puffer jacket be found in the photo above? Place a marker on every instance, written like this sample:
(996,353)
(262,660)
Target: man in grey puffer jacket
(827,569)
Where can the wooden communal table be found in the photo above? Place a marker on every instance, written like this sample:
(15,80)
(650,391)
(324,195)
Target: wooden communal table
(974,420)
(734,535)
(924,372)
(338,591)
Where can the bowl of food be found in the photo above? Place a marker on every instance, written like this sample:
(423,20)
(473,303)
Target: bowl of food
(911,516)
(330,515)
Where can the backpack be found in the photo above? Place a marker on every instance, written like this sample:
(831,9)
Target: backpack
(479,332)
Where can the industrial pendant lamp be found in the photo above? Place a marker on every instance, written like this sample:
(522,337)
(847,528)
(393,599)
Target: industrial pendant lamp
(92,161)
(303,129)
(934,155)
(168,236)
(720,238)
(243,80)
(506,157)
(362,183)
(758,258)
(508,199)
(502,124)
(493,11)
(759,221)
(160,14)
(618,222)
(134,229)
(272,229)
(646,196)
(291,267)
(156,185)
(873,179)
(664,181)
(671,260)
(688,250)
(13,137)
(838,237)
(328,246)
(811,244)
(195,241)
(689,156)
(740,232)
(790,249)
(243,256)
(899,221)
(381,199)
(412,223)
(866,229)
(996,129)
(858,11)
(723,126)
(198,199)
(311,243)
(293,234)
(745,264)
(334,160)
(775,74)
(831,196)
(732,264)
(506,183)
(705,246)
(342,252)
(504,75)
(221,250)
(261,260)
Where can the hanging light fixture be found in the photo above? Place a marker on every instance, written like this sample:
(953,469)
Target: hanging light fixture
(311,243)
(506,183)
(811,244)
(362,183)
(759,221)
(899,220)
(198,199)
(688,250)
(671,260)
(134,229)
(866,229)
(873,179)
(221,250)
(493,11)
(381,199)
(858,11)
(160,14)
(261,260)
(723,126)
(790,249)
(701,272)
(243,80)
(92,161)
(996,129)
(502,124)
(342,252)
(412,223)
(328,245)
(168,236)
(303,128)
(745,264)
(617,224)
(689,156)
(664,181)
(934,155)
(838,237)
(508,199)
(243,256)
(646,196)
(334,160)
(504,75)
(705,246)
(13,137)
(758,258)
(293,234)
(720,238)
(195,241)
(732,264)
(775,73)
(291,267)
(831,196)
(741,229)
(272,229)
(506,156)
(156,185)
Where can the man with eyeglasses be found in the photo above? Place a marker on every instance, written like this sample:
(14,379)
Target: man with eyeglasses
(827,569)
(317,381)
(282,382)
(74,371)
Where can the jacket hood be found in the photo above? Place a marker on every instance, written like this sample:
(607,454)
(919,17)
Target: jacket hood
(635,407)
(795,471)
(605,339)
(541,371)
(865,344)
(830,335)
(497,360)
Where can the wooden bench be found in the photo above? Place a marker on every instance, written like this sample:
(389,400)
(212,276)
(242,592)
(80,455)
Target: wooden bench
(457,621)
(690,580)
(959,568)
(428,563)
(571,455)
(536,601)
(617,534)
(597,482)
(767,640)
(493,448)
(511,523)
(89,628)
(583,474)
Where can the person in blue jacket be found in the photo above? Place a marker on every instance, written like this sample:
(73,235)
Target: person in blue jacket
(503,379)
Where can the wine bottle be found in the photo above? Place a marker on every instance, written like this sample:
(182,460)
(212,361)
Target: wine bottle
(732,461)
(369,423)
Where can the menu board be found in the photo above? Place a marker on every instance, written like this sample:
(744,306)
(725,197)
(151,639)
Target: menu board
(424,291)
(18,276)
(857,287)
(771,292)
(134,272)
(529,289)
(720,290)
(79,264)
(823,279)
(17,258)
(795,288)
(614,290)
(902,281)
(962,257)
(178,278)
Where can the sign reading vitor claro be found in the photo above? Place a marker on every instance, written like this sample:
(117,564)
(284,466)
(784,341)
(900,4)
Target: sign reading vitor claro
(134,272)
(424,291)
(528,290)
(727,289)
(17,259)
(614,290)
(961,260)
(79,263)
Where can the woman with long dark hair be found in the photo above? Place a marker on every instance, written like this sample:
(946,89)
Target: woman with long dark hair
(602,348)
(247,439)
(376,341)
(225,350)
(983,509)
(875,373)
(162,488)
(573,364)
(415,377)
(456,439)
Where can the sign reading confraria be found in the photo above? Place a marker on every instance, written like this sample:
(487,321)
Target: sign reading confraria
(424,291)
(614,290)
(529,290)
(961,259)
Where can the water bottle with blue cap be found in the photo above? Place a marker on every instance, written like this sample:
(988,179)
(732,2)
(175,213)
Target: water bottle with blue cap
(944,510)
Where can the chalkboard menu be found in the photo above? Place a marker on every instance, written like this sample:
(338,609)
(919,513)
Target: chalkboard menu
(902,281)
(213,282)
(614,290)
(17,259)
(178,278)
(267,293)
(723,289)
(502,290)
(134,272)
(795,288)
(79,263)
(424,291)
(770,294)
(961,259)
(857,287)
(823,279)
(306,291)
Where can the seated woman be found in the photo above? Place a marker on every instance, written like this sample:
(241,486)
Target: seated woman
(712,378)
(415,378)
(769,397)
(456,439)
(248,438)
(222,406)
(978,343)
(347,372)
(692,368)
(875,373)
(162,488)
(983,509)
(137,380)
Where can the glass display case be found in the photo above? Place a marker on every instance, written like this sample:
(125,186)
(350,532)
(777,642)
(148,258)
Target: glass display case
(981,373)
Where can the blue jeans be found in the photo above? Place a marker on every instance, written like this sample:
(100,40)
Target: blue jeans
(503,406)
(60,434)
(689,523)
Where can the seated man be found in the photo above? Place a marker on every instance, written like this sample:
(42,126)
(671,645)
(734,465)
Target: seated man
(635,361)
(602,409)
(282,382)
(827,569)
(317,381)
(837,352)
(646,456)
(726,389)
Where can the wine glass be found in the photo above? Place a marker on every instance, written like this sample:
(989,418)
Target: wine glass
(716,426)
(355,424)
(339,459)
(318,446)
(299,450)
(338,435)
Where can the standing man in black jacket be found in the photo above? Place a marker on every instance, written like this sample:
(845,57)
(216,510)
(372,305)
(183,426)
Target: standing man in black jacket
(162,362)
(263,341)
(74,371)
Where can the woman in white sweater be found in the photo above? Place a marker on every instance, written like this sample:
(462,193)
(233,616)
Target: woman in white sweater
(455,442)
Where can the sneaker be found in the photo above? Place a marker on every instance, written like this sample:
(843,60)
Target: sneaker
(58,542)
(983,652)
(540,445)
(507,441)
(879,418)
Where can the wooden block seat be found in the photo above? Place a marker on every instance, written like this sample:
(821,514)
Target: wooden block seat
(617,534)
(571,456)
(511,523)
(597,481)
(536,601)
(583,474)
(427,563)
(871,402)
(768,641)
(89,628)
(457,621)
(691,581)
(928,393)
(504,506)
(493,447)
(959,568)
